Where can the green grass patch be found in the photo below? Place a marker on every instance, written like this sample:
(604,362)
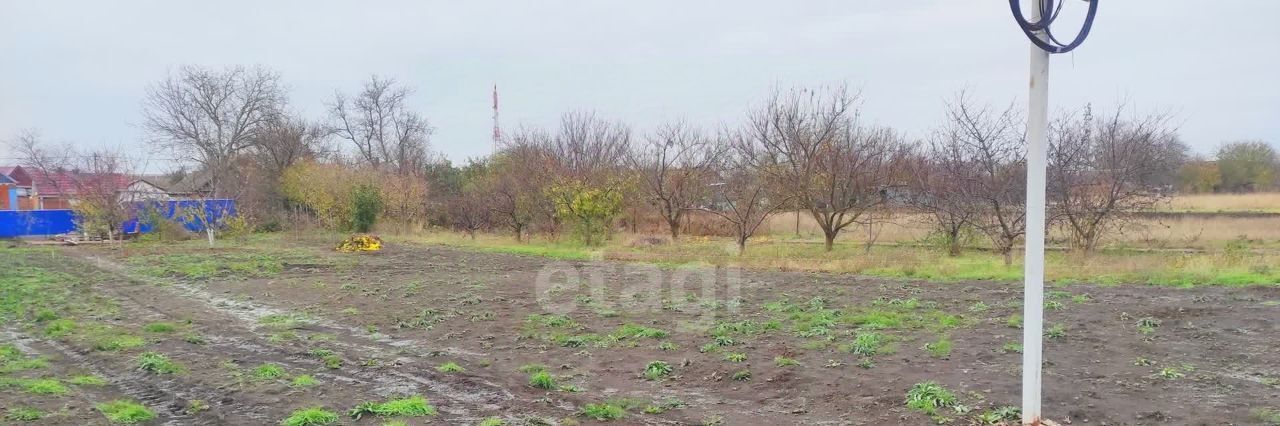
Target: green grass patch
(657,369)
(20,363)
(44,387)
(30,288)
(414,406)
(112,340)
(158,363)
(868,343)
(940,348)
(1267,416)
(203,266)
(929,397)
(552,320)
(604,411)
(23,414)
(782,361)
(268,371)
(87,380)
(314,416)
(627,331)
(450,367)
(287,321)
(60,327)
(159,327)
(304,381)
(1014,321)
(542,380)
(125,412)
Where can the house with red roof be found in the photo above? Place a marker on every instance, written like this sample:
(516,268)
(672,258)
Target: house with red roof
(15,189)
(36,189)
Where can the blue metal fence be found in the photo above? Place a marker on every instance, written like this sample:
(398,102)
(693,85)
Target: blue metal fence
(188,213)
(35,222)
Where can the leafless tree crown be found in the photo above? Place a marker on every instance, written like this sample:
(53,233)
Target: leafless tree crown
(385,131)
(210,116)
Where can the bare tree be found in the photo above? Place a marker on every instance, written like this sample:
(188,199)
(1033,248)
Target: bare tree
(210,116)
(41,156)
(101,180)
(513,194)
(96,183)
(469,213)
(585,153)
(941,189)
(1103,171)
(586,148)
(285,140)
(519,174)
(378,121)
(992,143)
(814,145)
(674,164)
(742,195)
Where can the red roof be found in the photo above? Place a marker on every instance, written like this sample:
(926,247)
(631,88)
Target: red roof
(51,184)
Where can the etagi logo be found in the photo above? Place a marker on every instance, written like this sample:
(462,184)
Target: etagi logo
(564,288)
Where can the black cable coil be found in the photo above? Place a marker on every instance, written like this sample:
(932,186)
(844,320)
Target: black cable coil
(1048,13)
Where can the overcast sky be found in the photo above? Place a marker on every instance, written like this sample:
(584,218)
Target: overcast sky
(77,70)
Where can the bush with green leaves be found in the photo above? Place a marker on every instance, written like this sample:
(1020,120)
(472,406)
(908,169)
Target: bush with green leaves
(366,206)
(657,369)
(590,209)
(928,397)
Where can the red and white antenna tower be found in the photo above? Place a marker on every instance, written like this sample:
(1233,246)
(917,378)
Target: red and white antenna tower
(497,130)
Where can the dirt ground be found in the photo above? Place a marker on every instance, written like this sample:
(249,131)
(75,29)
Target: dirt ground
(1205,356)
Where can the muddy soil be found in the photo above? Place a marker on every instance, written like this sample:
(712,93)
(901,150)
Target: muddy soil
(1205,356)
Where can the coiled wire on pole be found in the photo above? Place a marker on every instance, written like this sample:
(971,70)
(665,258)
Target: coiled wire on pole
(1048,13)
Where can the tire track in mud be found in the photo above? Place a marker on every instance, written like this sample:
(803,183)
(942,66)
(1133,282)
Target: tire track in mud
(242,333)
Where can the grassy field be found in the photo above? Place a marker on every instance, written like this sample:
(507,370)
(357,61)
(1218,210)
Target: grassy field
(1213,239)
(1261,202)
(1237,265)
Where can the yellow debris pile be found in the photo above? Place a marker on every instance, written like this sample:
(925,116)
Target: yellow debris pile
(359,243)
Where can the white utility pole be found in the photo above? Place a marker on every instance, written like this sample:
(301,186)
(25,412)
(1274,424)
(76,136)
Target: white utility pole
(1033,277)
